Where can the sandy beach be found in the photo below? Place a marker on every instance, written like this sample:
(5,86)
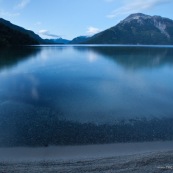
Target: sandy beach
(114,158)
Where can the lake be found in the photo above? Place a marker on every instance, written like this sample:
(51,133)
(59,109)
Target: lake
(71,95)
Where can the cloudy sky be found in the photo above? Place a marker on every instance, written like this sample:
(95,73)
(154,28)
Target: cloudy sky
(71,18)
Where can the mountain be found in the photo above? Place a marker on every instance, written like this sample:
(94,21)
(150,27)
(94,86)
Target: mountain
(12,35)
(137,29)
(57,41)
(79,40)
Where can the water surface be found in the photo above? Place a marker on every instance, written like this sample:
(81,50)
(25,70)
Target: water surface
(85,94)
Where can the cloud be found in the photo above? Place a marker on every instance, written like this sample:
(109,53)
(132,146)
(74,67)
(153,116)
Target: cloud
(22,4)
(135,6)
(47,33)
(8,14)
(92,30)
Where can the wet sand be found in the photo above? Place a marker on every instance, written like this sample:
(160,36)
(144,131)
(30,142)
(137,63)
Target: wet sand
(132,157)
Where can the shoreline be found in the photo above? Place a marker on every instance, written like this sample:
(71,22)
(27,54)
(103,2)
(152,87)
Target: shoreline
(114,158)
(67,153)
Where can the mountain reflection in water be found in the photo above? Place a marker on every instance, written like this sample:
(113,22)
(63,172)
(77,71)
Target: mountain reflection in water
(65,95)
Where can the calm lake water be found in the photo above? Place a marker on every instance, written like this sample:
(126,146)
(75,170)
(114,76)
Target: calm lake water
(67,95)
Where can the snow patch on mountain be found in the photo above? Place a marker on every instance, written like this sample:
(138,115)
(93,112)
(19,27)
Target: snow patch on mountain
(139,17)
(162,27)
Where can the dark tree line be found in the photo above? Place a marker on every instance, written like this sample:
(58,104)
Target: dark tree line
(11,37)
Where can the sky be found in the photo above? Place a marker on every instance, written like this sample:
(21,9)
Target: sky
(72,18)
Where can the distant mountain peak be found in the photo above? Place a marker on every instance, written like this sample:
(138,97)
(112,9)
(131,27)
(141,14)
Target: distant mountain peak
(158,21)
(139,14)
(137,28)
(79,39)
(136,16)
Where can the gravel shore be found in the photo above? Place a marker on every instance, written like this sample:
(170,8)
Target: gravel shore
(146,163)
(90,159)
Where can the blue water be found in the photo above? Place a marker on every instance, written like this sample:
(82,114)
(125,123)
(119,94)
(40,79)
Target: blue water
(96,85)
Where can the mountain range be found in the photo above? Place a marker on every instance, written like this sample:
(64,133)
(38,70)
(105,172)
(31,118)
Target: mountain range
(135,29)
(79,40)
(13,35)
(56,41)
